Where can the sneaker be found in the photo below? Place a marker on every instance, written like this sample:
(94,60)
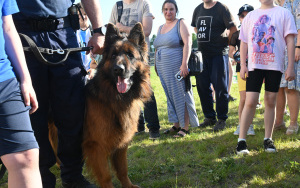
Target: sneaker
(269,146)
(154,135)
(237,131)
(292,130)
(220,125)
(230,98)
(79,183)
(251,130)
(241,148)
(208,122)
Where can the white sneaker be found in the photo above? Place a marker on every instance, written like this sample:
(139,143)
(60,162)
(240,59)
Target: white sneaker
(237,132)
(250,130)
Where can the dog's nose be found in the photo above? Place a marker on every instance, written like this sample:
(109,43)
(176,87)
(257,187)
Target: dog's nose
(119,69)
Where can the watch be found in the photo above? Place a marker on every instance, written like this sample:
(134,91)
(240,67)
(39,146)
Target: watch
(101,30)
(297,46)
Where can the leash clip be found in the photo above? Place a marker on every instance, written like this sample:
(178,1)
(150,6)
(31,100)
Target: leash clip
(59,51)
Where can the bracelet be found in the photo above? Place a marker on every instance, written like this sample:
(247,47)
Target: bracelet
(297,46)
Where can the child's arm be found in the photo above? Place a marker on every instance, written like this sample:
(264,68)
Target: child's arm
(290,43)
(243,55)
(13,48)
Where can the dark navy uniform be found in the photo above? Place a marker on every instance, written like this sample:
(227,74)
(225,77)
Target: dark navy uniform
(59,88)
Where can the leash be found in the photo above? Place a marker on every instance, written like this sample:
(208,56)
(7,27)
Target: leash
(37,51)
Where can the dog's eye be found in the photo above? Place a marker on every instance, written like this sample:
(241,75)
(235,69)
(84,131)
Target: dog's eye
(129,55)
(113,56)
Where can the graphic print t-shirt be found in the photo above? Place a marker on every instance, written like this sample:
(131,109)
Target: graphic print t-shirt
(132,13)
(265,30)
(211,25)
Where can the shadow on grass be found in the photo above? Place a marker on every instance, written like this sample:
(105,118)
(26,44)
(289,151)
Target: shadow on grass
(203,159)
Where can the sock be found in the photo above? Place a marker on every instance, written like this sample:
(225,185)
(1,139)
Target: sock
(241,139)
(267,138)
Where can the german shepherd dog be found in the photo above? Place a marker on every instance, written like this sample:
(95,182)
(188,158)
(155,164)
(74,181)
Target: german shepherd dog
(114,100)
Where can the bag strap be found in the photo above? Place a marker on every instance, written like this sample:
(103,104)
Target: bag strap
(178,31)
(120,10)
(37,51)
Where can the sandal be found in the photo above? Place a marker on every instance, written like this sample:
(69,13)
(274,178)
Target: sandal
(173,129)
(279,127)
(178,135)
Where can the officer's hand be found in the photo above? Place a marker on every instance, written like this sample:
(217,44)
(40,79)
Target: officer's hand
(97,42)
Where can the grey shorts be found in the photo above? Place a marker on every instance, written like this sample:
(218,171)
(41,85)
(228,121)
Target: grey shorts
(16,133)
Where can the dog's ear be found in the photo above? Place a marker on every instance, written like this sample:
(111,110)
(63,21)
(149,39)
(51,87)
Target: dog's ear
(112,34)
(137,36)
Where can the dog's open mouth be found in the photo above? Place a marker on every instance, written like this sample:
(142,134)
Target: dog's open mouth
(123,84)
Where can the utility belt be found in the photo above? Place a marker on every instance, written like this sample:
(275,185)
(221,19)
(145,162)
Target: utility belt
(50,24)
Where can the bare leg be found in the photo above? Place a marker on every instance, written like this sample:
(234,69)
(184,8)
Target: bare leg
(293,103)
(280,106)
(241,104)
(248,113)
(270,103)
(23,169)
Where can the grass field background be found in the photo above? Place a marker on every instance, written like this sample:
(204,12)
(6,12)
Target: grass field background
(207,159)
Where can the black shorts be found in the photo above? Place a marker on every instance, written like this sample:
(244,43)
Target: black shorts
(256,78)
(15,128)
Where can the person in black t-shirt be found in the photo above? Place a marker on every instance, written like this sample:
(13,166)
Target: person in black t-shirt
(210,20)
(234,48)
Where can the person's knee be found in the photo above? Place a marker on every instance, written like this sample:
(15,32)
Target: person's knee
(21,160)
(270,101)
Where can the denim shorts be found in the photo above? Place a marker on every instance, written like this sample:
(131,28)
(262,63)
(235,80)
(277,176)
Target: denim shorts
(16,133)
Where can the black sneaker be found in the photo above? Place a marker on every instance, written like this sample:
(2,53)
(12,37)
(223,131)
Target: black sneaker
(208,122)
(140,131)
(220,125)
(79,183)
(269,146)
(231,98)
(241,148)
(154,135)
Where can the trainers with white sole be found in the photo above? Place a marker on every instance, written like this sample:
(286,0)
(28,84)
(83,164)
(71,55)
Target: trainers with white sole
(241,148)
(269,146)
(251,130)
(237,131)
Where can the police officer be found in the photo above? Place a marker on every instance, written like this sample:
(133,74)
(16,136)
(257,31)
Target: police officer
(59,88)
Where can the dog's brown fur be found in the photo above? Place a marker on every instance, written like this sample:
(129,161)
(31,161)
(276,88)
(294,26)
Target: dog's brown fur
(111,116)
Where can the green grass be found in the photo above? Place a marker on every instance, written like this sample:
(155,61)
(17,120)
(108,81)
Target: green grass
(207,159)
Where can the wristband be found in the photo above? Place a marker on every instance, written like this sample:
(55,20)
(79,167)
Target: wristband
(297,46)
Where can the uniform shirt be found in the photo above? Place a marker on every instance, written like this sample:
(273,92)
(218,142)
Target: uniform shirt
(211,25)
(8,7)
(264,30)
(37,9)
(132,13)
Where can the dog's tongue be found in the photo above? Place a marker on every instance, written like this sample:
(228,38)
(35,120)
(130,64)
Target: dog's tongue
(122,84)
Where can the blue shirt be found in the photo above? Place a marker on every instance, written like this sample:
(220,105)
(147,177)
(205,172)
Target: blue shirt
(8,7)
(37,9)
